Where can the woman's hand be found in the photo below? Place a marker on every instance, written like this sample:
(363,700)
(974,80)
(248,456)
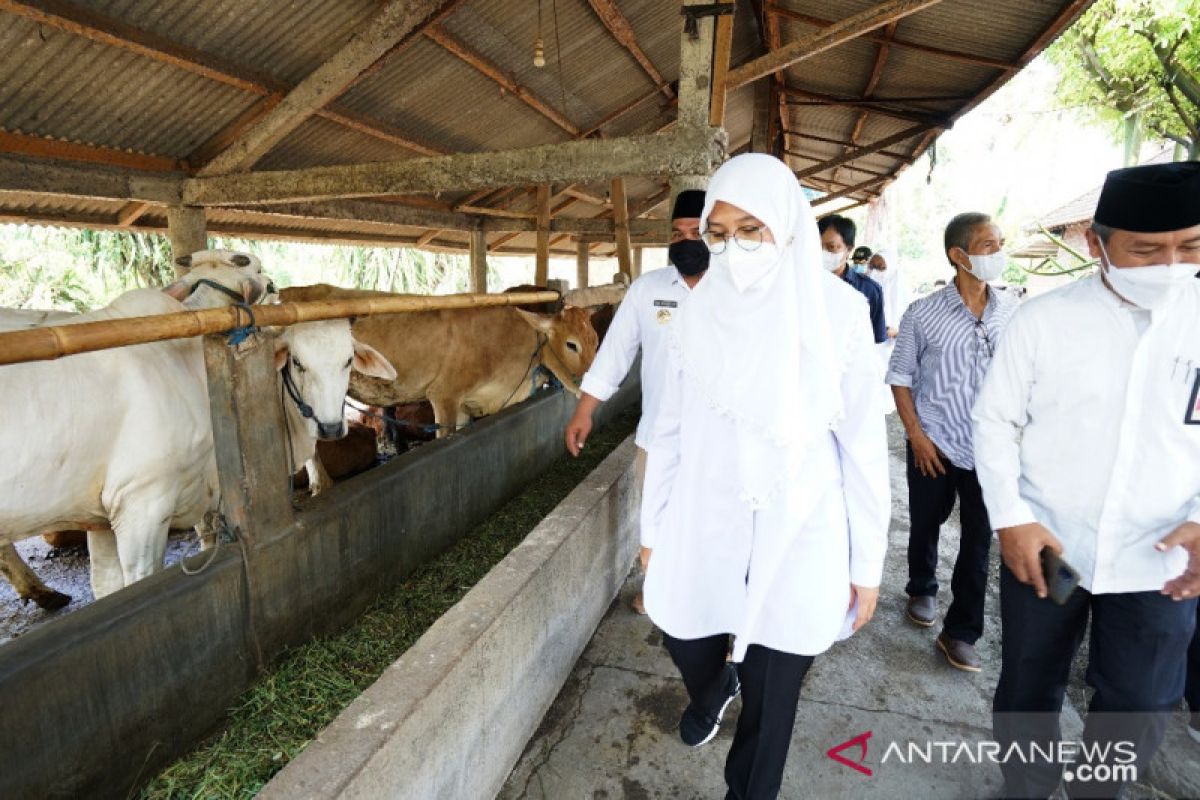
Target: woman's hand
(866,597)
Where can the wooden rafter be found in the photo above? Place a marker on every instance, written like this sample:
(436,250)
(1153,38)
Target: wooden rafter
(826,38)
(463,52)
(876,73)
(389,25)
(967,58)
(908,115)
(865,150)
(41,147)
(131,213)
(618,25)
(849,190)
(722,50)
(844,142)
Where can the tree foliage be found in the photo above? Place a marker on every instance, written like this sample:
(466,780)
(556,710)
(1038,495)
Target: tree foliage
(1137,61)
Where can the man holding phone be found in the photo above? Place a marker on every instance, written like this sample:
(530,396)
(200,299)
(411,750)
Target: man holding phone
(1088,452)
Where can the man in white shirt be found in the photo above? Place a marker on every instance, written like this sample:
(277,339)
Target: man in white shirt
(641,321)
(1087,445)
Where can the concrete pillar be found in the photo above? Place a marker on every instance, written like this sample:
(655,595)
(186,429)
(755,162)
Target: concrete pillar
(637,263)
(187,231)
(581,264)
(478,279)
(695,71)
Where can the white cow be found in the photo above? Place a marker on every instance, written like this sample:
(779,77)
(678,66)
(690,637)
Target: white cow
(213,278)
(130,444)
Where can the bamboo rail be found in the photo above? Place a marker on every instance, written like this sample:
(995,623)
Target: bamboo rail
(54,341)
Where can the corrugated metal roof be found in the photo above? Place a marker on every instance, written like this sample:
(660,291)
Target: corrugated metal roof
(69,84)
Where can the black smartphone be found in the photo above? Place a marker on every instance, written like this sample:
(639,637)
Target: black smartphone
(1061,577)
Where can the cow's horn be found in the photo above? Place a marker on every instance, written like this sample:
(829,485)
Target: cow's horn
(240,260)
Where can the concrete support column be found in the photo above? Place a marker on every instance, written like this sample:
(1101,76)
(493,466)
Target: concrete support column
(637,263)
(478,279)
(187,231)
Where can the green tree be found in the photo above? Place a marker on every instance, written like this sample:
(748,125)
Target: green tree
(1136,62)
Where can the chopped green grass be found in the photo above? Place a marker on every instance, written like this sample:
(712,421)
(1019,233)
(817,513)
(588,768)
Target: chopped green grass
(308,686)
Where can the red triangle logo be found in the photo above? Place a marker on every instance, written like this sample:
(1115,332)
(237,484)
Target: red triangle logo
(861,740)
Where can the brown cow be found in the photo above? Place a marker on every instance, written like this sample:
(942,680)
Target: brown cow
(467,362)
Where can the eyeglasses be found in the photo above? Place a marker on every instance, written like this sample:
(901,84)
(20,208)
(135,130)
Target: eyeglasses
(747,237)
(981,333)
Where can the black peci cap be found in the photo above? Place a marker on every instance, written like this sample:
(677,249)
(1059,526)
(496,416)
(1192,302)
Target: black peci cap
(689,203)
(1155,198)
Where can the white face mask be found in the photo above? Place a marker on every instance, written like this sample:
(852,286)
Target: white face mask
(831,261)
(987,268)
(1147,287)
(748,268)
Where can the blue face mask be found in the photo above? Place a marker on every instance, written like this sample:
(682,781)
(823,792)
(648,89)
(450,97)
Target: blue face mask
(861,269)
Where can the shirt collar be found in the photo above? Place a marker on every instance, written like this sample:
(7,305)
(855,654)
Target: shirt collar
(956,300)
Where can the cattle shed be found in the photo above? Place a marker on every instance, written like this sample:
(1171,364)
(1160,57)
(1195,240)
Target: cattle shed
(490,127)
(257,118)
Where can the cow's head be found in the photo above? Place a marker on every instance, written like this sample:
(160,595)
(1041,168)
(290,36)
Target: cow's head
(216,278)
(570,343)
(316,359)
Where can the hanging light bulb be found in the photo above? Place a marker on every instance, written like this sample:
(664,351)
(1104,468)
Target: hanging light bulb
(539,49)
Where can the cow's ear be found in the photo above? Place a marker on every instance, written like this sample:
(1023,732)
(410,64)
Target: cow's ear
(538,322)
(240,260)
(369,361)
(184,262)
(281,352)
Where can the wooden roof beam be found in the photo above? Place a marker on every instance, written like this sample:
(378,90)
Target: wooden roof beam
(687,151)
(865,150)
(618,25)
(388,26)
(844,142)
(40,147)
(463,52)
(786,13)
(849,190)
(825,39)
(908,115)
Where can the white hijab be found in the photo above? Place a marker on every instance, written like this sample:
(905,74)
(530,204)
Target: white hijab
(894,294)
(765,358)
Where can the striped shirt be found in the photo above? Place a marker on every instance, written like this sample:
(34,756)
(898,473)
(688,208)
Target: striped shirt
(942,353)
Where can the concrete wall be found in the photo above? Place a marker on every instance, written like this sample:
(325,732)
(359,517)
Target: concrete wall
(451,717)
(95,703)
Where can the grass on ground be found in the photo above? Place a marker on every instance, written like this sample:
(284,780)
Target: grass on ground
(308,686)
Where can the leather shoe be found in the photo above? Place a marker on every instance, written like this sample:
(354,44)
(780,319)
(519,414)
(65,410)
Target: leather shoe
(960,654)
(922,610)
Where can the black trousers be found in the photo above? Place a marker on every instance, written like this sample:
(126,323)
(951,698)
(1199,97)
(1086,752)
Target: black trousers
(1136,665)
(1192,691)
(770,692)
(930,501)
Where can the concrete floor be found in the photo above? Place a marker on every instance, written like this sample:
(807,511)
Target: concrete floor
(611,732)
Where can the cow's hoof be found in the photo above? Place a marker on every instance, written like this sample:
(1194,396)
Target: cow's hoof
(51,600)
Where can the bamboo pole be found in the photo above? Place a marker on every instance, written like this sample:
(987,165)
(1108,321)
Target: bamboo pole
(54,341)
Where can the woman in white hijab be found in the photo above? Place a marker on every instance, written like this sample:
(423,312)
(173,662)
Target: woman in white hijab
(766,495)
